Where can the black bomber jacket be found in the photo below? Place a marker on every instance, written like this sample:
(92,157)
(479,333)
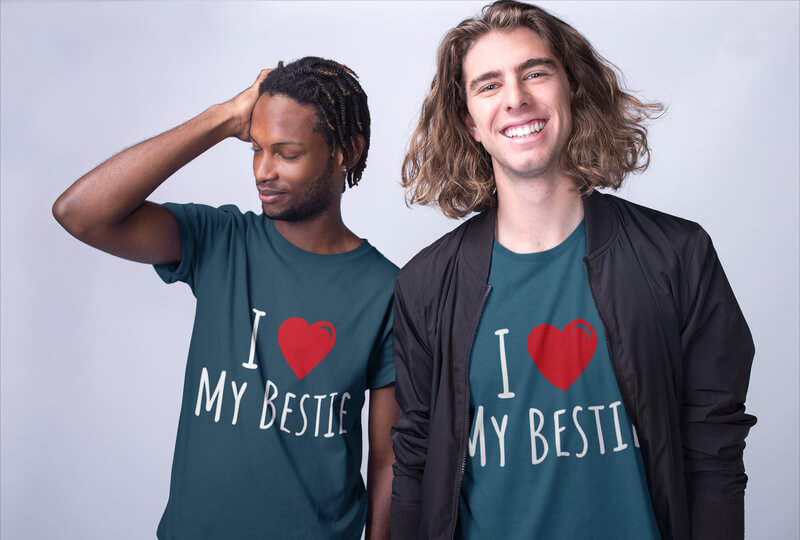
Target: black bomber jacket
(679,345)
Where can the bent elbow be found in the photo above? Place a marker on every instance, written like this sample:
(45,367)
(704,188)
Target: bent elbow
(67,215)
(60,210)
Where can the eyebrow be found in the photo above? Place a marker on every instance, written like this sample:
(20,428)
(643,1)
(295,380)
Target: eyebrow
(253,141)
(527,64)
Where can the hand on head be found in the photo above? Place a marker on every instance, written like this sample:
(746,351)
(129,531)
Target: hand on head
(243,105)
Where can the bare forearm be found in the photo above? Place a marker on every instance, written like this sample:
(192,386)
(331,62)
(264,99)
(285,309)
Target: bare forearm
(383,412)
(379,487)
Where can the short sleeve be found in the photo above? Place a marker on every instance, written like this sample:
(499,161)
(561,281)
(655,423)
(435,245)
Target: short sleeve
(186,216)
(380,371)
(203,229)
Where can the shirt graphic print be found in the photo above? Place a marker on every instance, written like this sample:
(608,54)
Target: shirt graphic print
(285,344)
(551,451)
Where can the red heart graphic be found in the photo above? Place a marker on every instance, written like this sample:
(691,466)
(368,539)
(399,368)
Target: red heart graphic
(562,355)
(303,345)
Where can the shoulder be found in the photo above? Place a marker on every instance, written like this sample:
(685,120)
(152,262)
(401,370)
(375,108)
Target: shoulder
(649,228)
(378,265)
(437,257)
(205,212)
(219,226)
(627,208)
(458,260)
(672,251)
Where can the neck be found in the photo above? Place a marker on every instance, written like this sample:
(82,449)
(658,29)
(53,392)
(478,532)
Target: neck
(535,215)
(325,234)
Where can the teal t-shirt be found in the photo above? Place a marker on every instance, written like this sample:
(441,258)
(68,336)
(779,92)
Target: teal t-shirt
(552,453)
(284,345)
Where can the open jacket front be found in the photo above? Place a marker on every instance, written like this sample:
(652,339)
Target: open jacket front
(679,345)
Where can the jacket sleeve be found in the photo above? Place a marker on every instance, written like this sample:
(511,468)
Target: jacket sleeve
(717,354)
(410,436)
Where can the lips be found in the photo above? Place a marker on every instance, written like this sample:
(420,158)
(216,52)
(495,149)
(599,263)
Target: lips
(269,195)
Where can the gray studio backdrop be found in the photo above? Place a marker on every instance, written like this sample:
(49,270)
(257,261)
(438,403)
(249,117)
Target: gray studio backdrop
(93,347)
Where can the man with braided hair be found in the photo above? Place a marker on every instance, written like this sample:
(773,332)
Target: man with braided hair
(569,365)
(285,341)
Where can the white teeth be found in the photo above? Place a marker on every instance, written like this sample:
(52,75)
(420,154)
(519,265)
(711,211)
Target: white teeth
(525,130)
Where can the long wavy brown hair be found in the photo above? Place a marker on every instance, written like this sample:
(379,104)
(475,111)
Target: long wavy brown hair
(446,166)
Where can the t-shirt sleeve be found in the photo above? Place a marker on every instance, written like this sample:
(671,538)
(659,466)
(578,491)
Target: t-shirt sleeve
(186,216)
(381,366)
(200,227)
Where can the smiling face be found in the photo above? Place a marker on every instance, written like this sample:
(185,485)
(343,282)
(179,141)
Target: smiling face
(518,102)
(296,176)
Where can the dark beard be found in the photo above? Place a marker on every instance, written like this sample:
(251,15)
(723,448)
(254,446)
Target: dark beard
(317,199)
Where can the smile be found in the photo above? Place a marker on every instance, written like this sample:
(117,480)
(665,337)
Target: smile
(524,131)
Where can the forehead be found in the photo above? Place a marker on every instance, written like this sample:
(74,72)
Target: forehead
(281,117)
(501,50)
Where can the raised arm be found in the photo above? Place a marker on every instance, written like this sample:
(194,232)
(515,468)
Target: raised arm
(107,207)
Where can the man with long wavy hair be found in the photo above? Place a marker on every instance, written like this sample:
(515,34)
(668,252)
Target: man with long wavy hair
(569,364)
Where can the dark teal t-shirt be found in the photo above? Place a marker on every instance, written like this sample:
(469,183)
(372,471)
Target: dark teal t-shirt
(284,345)
(552,453)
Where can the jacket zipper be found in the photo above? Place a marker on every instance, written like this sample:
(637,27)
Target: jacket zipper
(463,451)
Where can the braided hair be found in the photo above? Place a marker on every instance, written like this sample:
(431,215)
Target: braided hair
(341,103)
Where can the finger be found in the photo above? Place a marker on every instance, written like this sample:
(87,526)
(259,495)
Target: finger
(263,74)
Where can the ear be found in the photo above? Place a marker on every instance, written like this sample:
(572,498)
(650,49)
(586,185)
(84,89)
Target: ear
(471,127)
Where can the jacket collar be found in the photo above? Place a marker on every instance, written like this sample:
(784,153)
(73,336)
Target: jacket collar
(598,215)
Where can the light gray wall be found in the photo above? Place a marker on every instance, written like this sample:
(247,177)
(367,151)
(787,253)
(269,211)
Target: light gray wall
(93,347)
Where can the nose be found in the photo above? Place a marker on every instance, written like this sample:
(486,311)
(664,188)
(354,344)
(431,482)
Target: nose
(517,95)
(263,167)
